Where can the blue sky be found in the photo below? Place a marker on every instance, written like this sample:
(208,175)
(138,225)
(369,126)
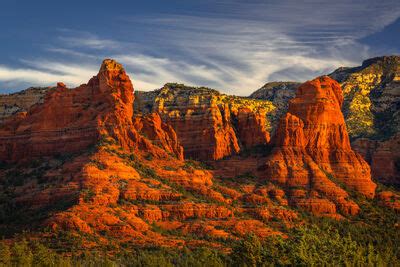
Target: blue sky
(235,46)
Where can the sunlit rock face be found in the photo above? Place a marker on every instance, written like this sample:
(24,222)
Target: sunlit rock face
(312,150)
(98,160)
(71,120)
(209,125)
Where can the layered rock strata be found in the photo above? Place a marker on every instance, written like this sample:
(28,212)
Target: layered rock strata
(71,120)
(312,151)
(209,125)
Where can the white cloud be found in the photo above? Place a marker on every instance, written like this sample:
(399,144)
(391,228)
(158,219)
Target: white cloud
(45,73)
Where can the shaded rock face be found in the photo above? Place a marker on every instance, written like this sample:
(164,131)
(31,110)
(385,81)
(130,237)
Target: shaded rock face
(251,127)
(312,151)
(72,120)
(209,125)
(371,97)
(383,157)
(11,104)
(372,111)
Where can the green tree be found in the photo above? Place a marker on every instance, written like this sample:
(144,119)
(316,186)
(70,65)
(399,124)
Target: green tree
(22,254)
(247,252)
(43,256)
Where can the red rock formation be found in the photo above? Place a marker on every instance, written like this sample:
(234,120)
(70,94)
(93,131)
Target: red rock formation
(251,127)
(126,173)
(205,131)
(383,156)
(209,125)
(71,120)
(312,150)
(159,133)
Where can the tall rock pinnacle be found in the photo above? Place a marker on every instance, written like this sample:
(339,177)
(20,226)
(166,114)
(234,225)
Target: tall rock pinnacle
(312,148)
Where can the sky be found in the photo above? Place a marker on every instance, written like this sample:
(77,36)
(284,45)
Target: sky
(230,45)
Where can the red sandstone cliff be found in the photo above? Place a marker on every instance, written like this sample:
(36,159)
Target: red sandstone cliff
(252,127)
(312,151)
(209,125)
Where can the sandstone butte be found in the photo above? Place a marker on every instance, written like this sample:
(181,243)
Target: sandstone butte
(72,120)
(312,153)
(86,162)
(209,125)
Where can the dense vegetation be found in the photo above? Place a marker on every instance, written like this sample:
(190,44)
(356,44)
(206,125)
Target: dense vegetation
(321,242)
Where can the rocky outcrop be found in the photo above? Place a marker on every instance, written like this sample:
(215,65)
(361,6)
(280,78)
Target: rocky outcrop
(312,151)
(115,167)
(251,127)
(159,133)
(71,120)
(371,108)
(383,157)
(209,125)
(11,104)
(279,93)
(371,97)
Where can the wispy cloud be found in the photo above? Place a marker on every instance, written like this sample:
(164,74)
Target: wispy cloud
(236,46)
(80,39)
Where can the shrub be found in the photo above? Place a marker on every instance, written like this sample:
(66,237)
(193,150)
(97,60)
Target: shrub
(5,254)
(21,254)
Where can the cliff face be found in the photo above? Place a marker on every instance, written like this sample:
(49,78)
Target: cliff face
(209,125)
(383,157)
(371,108)
(371,97)
(312,151)
(97,160)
